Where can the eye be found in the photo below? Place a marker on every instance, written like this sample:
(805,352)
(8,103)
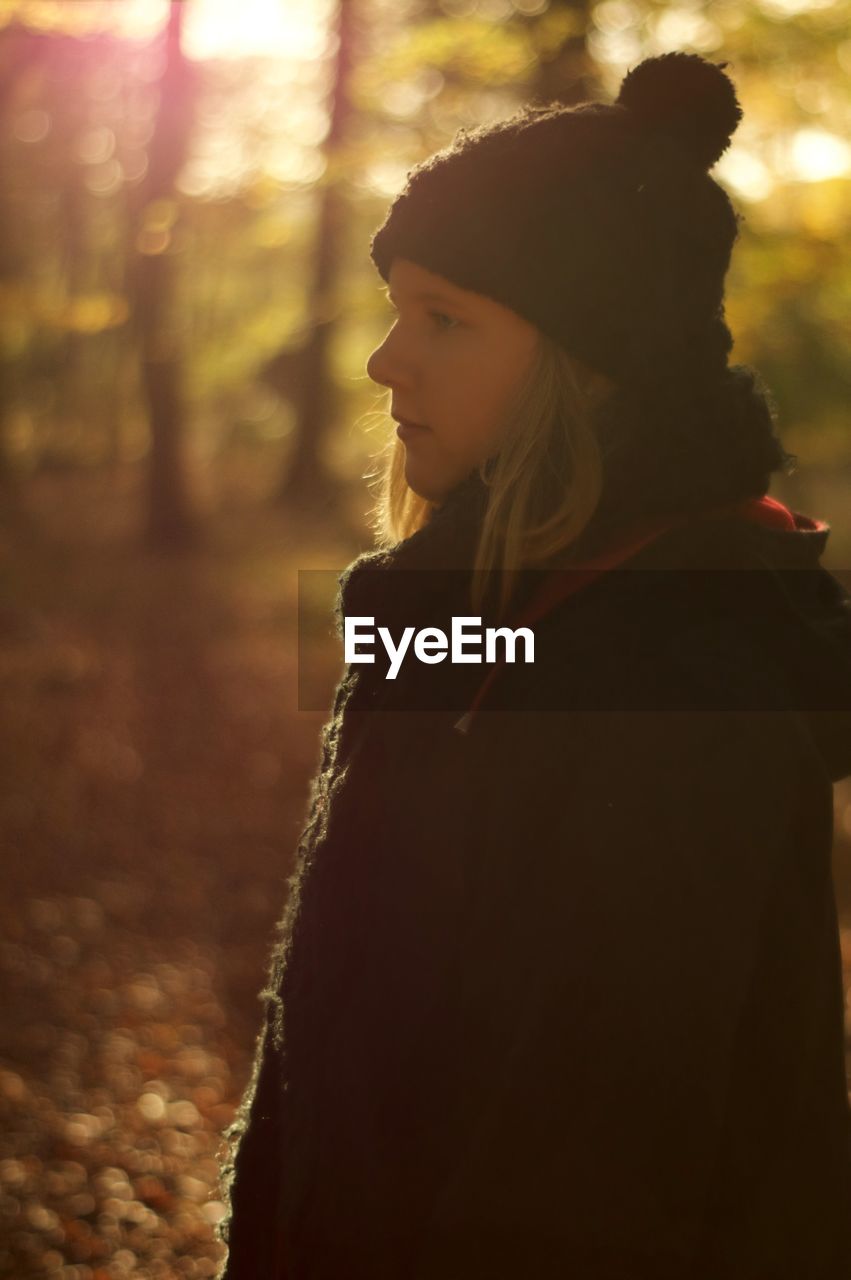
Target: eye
(440,315)
(442,320)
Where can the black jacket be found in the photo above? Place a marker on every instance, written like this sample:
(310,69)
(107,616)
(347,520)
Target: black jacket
(562,996)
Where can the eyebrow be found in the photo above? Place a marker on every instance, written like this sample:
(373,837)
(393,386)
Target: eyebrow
(426,296)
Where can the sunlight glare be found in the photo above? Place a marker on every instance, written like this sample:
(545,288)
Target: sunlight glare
(783,9)
(746,173)
(297,29)
(818,154)
(132,20)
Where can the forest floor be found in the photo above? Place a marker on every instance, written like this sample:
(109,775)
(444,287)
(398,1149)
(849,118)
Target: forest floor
(155,768)
(156,753)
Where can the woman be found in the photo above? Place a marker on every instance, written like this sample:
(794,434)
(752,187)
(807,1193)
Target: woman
(557,990)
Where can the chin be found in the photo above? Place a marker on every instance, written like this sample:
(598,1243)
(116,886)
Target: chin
(427,487)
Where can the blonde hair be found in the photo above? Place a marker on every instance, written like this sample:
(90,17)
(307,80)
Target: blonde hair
(545,478)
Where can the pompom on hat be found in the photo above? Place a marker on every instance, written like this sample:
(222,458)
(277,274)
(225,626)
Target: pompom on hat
(690,100)
(599,223)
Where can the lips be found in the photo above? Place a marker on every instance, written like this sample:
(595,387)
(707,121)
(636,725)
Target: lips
(406,422)
(408,432)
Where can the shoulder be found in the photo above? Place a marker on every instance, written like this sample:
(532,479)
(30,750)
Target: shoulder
(682,622)
(653,674)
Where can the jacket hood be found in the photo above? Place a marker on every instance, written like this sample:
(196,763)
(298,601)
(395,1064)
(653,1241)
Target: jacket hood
(809,637)
(771,624)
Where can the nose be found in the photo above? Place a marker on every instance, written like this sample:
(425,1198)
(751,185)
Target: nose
(377,366)
(391,361)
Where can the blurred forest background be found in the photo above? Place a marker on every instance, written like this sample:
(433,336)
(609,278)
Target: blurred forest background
(187,193)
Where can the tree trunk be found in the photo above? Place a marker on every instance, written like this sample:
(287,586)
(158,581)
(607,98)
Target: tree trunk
(170,522)
(20,50)
(307,483)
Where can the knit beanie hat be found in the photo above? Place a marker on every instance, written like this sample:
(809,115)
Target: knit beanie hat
(598,223)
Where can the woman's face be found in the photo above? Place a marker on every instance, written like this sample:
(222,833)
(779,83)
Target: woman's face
(452,359)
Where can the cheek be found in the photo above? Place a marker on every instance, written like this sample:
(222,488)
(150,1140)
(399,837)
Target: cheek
(471,380)
(484,409)
(476,383)
(473,433)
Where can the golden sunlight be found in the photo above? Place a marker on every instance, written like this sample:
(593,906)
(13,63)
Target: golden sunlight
(296,29)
